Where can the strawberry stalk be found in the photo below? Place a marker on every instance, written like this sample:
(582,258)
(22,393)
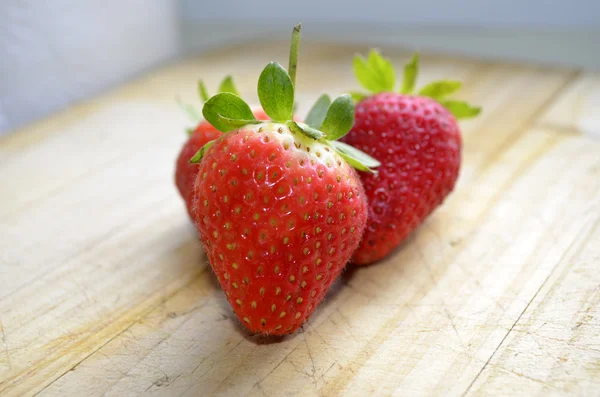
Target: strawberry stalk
(293,64)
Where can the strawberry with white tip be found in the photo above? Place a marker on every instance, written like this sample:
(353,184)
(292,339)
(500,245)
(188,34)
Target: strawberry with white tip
(279,209)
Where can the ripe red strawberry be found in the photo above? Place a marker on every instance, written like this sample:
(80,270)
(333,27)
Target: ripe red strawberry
(417,140)
(185,172)
(279,209)
(278,222)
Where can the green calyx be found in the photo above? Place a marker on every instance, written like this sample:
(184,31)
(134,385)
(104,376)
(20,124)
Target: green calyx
(193,114)
(376,74)
(326,122)
(200,153)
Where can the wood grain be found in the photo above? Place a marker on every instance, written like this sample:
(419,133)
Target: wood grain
(554,347)
(576,110)
(104,289)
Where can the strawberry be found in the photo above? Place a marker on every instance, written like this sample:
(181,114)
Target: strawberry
(279,209)
(417,139)
(185,172)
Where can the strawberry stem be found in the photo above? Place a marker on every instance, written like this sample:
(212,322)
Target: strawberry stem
(294,54)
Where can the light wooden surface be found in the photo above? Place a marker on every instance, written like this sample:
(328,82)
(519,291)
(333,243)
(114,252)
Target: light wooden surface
(104,289)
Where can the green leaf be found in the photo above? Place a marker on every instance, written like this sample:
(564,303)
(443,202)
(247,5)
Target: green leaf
(376,73)
(202,91)
(200,153)
(305,129)
(228,86)
(276,92)
(226,105)
(363,74)
(411,71)
(356,158)
(440,89)
(190,131)
(384,69)
(190,110)
(339,119)
(461,109)
(317,113)
(235,124)
(357,96)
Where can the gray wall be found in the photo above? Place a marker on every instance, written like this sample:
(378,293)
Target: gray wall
(460,13)
(54,53)
(543,31)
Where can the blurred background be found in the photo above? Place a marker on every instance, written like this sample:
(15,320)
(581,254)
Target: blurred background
(56,53)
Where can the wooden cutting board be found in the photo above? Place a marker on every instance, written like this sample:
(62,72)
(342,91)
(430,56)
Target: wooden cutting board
(105,290)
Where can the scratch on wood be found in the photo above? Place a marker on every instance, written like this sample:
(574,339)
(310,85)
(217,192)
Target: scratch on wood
(312,361)
(575,241)
(520,375)
(125,329)
(347,320)
(314,330)
(329,369)
(261,390)
(198,366)
(5,345)
(445,307)
(258,382)
(430,226)
(162,381)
